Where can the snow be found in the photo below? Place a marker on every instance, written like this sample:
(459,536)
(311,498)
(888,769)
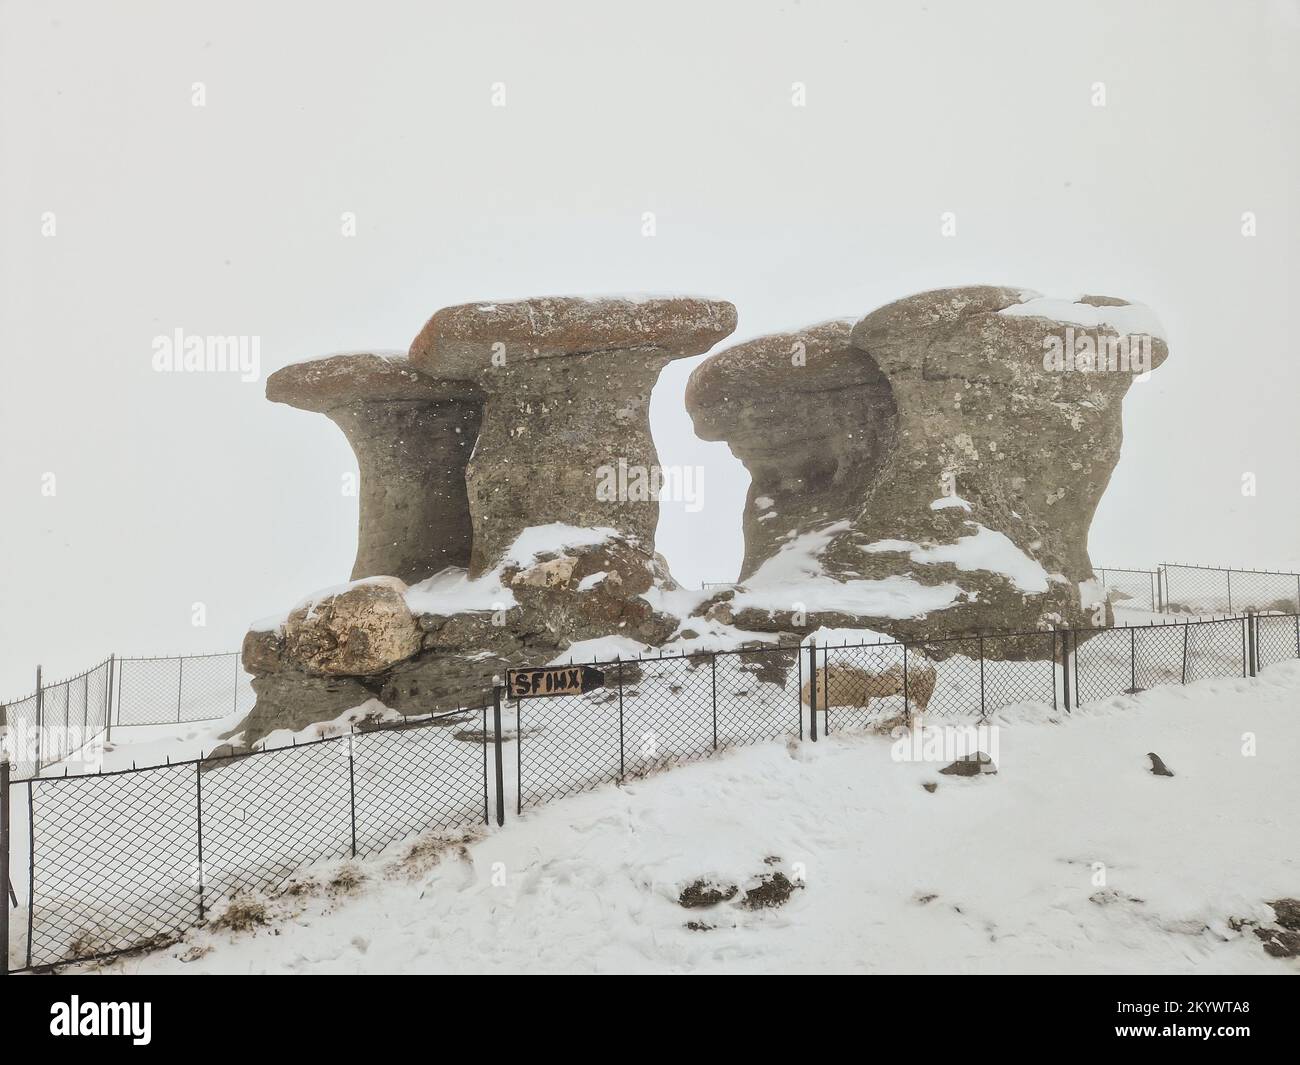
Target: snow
(316,598)
(1041,868)
(793,579)
(452,591)
(1133,318)
(829,637)
(554,538)
(988,550)
(603,649)
(371,709)
(888,545)
(394,355)
(591,580)
(945,502)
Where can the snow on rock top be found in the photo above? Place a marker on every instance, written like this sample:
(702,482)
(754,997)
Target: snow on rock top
(794,575)
(945,502)
(1125,319)
(829,637)
(988,550)
(553,539)
(452,591)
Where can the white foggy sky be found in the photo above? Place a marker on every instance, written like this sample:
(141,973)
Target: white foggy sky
(225,220)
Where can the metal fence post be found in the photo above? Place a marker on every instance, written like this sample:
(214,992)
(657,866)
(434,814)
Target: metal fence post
(40,719)
(108,716)
(906,708)
(31,867)
(798,658)
(1065,667)
(5,887)
(1186,626)
(496,757)
(1132,662)
(352,790)
(1053,657)
(198,810)
(234,700)
(1252,653)
(1229,573)
(812,689)
(981,639)
(180,684)
(620,719)
(713,664)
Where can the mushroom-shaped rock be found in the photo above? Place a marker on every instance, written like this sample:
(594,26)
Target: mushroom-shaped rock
(566,429)
(812,419)
(413,435)
(1007,426)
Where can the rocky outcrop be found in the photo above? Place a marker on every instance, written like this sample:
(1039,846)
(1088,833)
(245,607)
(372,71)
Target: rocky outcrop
(811,418)
(437,645)
(1006,427)
(568,384)
(413,435)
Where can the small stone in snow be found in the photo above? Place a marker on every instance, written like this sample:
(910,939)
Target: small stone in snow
(969,765)
(1158,767)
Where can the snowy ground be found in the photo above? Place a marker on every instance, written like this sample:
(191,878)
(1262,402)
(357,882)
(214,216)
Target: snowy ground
(1073,857)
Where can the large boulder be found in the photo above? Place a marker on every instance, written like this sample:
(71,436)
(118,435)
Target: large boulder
(412,435)
(566,426)
(361,630)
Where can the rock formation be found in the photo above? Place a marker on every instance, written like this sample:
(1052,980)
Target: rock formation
(562,551)
(1005,430)
(811,418)
(412,435)
(932,470)
(568,384)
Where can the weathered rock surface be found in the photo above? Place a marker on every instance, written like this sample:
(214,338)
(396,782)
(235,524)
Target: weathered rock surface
(812,419)
(341,649)
(568,384)
(413,435)
(363,630)
(976,515)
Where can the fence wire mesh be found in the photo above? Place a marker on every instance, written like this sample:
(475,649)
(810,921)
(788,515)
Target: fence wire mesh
(1220,590)
(158,691)
(1131,588)
(127,860)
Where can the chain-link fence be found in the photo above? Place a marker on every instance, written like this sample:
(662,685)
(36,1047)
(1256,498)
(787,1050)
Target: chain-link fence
(125,860)
(653,713)
(128,860)
(1223,590)
(156,691)
(1134,589)
(58,720)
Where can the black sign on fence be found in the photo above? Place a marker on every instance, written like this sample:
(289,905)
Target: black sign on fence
(553,680)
